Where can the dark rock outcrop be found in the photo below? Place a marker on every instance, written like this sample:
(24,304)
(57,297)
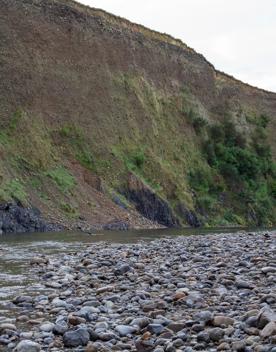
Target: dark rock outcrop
(14,218)
(116,226)
(149,204)
(189,215)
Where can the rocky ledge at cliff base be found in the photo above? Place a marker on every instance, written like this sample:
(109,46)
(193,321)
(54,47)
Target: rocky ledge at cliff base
(197,293)
(14,218)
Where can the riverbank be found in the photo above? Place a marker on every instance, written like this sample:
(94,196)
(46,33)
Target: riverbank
(195,293)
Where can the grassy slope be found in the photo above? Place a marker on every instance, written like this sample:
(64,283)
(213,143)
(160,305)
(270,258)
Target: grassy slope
(86,92)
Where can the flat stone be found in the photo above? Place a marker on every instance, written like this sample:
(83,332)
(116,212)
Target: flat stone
(57,302)
(216,334)
(122,269)
(92,347)
(203,336)
(140,322)
(7,326)
(265,316)
(239,346)
(47,327)
(22,299)
(269,330)
(28,346)
(241,284)
(75,320)
(224,346)
(75,338)
(155,328)
(222,321)
(60,327)
(104,289)
(269,269)
(125,330)
(176,326)
(204,316)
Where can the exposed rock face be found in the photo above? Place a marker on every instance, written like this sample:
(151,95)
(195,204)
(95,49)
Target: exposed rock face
(149,204)
(189,215)
(117,226)
(15,218)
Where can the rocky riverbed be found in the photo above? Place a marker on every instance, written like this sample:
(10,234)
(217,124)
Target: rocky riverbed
(195,293)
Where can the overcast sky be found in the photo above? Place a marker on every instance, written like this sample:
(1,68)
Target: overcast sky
(237,36)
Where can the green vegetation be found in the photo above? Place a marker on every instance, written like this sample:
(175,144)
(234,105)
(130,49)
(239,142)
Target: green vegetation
(74,137)
(243,171)
(258,120)
(225,175)
(62,178)
(69,210)
(58,134)
(13,190)
(4,139)
(207,185)
(198,122)
(135,161)
(133,158)
(16,117)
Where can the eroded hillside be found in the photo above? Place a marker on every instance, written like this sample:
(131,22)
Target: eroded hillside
(100,117)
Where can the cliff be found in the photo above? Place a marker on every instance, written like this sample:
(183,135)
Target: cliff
(103,121)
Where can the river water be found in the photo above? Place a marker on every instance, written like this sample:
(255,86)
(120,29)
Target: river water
(16,251)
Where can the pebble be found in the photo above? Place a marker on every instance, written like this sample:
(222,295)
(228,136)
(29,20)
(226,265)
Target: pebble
(28,346)
(75,338)
(269,330)
(125,330)
(222,321)
(216,334)
(47,327)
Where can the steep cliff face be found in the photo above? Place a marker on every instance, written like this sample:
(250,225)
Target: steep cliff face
(89,100)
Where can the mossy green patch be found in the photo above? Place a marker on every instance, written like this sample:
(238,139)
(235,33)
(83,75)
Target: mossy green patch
(27,142)
(15,119)
(13,190)
(75,138)
(62,178)
(69,210)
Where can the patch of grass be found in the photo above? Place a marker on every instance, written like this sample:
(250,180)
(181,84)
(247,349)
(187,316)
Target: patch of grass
(62,178)
(74,137)
(136,159)
(119,199)
(103,165)
(207,186)
(70,211)
(36,182)
(16,117)
(197,121)
(4,139)
(258,120)
(7,132)
(13,189)
(28,146)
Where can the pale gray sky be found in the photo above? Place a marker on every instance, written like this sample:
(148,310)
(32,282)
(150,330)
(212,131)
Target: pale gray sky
(237,36)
